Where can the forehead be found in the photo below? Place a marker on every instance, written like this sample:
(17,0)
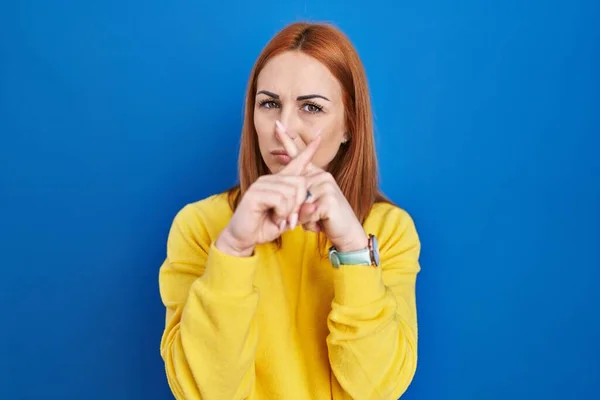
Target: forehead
(296,73)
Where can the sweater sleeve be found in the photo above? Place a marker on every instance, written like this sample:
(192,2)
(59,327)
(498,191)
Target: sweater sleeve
(373,324)
(210,336)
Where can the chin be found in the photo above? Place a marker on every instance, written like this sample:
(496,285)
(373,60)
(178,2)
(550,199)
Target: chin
(273,169)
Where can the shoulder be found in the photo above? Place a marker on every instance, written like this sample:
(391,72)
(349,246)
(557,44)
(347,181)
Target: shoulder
(393,226)
(385,214)
(214,207)
(203,219)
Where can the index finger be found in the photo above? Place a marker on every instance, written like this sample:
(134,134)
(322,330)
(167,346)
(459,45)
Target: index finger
(287,142)
(299,164)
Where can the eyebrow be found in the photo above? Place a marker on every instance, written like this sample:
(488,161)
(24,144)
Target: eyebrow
(299,98)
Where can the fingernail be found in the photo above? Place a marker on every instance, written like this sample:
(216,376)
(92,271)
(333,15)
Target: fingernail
(279,125)
(282,225)
(318,133)
(293,220)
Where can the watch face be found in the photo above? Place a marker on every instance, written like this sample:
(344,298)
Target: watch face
(333,258)
(375,250)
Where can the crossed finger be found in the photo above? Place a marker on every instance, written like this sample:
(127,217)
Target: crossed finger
(290,147)
(300,160)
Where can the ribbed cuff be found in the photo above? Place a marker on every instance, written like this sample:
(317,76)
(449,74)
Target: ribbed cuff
(357,285)
(229,274)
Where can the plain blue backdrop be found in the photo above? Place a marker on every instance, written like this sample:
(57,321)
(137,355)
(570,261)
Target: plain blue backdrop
(114,114)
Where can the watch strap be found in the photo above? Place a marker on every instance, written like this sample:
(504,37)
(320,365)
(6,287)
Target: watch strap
(357,257)
(366,256)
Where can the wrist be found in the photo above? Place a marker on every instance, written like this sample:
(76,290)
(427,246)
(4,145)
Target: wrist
(228,245)
(356,242)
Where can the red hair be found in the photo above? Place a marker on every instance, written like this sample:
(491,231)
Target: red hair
(355,165)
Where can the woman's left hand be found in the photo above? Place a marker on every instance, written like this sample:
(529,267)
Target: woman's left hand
(326,209)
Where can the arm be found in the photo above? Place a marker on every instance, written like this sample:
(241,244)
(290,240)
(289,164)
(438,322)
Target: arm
(373,324)
(210,336)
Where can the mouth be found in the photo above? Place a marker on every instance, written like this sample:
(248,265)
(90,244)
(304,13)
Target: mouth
(282,156)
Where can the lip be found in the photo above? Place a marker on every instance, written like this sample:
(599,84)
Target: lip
(282,156)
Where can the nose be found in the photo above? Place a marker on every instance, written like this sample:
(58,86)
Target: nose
(292,123)
(296,128)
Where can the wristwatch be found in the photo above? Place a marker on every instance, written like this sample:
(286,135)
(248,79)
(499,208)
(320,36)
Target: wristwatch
(367,256)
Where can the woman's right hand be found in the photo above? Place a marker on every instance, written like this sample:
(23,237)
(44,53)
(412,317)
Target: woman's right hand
(268,208)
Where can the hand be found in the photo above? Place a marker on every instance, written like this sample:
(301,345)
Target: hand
(267,206)
(327,209)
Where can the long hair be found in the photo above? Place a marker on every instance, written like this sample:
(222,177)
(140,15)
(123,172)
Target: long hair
(355,165)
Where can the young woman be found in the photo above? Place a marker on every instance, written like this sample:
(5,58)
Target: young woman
(300,282)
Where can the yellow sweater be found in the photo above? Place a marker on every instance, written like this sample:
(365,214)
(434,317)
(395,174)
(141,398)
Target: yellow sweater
(285,324)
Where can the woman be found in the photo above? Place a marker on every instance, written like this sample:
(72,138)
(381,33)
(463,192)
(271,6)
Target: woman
(300,282)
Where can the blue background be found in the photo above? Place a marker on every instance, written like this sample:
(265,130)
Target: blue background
(114,114)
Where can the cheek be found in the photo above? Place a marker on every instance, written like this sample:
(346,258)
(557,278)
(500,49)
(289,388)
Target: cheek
(264,128)
(332,135)
(328,148)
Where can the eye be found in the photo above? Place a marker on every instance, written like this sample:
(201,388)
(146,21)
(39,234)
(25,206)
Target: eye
(312,108)
(268,104)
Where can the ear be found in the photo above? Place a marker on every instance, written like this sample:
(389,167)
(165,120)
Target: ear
(345,138)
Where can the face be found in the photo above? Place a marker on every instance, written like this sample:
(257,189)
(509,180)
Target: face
(306,98)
